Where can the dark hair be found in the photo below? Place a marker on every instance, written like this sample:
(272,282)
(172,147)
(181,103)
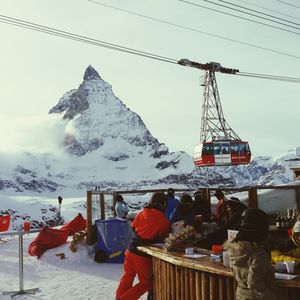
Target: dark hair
(254,224)
(158,200)
(186,199)
(119,198)
(170,192)
(219,194)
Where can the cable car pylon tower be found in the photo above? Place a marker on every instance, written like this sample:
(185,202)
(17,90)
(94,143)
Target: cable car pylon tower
(213,124)
(219,143)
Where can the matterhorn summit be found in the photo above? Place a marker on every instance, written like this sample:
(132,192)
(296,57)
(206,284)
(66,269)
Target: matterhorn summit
(99,125)
(97,116)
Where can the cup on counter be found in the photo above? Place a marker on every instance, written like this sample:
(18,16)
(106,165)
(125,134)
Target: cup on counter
(26,226)
(189,250)
(217,249)
(226,260)
(290,266)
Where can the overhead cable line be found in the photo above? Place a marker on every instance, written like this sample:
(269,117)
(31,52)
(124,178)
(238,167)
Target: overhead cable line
(270,77)
(239,17)
(269,9)
(81,38)
(288,3)
(256,11)
(247,13)
(196,30)
(95,42)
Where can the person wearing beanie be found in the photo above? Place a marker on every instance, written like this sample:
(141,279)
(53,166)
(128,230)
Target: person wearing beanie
(250,258)
(149,226)
(288,250)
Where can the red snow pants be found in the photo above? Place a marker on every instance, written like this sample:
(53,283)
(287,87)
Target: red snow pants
(135,265)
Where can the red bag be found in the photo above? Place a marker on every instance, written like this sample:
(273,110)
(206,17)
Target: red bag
(46,239)
(77,224)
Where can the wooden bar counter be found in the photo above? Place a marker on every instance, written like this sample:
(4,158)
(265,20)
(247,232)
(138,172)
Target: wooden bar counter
(176,277)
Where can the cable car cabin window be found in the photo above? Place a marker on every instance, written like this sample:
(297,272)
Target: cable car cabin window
(248,149)
(234,147)
(217,149)
(207,149)
(225,148)
(242,148)
(197,152)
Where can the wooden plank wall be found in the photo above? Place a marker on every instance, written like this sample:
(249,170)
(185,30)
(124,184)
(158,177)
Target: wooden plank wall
(173,282)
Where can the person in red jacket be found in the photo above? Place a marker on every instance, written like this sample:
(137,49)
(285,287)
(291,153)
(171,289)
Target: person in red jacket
(221,209)
(149,226)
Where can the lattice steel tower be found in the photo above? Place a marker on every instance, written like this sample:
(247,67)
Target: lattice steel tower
(213,124)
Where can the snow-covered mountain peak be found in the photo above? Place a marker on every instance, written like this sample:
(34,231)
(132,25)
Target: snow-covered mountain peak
(95,115)
(90,74)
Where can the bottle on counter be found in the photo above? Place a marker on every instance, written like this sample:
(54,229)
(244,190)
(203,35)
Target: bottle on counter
(199,226)
(284,222)
(278,221)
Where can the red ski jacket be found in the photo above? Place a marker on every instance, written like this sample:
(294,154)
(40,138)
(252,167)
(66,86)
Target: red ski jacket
(149,226)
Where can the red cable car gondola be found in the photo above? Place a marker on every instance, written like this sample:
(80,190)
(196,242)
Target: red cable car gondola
(219,144)
(222,153)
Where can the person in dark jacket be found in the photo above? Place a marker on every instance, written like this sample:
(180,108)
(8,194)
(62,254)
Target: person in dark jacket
(171,203)
(184,211)
(235,209)
(149,226)
(201,206)
(250,258)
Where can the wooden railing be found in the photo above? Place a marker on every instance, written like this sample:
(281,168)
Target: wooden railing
(253,199)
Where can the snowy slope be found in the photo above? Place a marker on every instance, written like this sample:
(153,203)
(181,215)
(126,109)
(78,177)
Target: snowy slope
(76,277)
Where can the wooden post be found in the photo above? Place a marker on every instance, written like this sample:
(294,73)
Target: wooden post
(89,217)
(297,191)
(206,197)
(177,278)
(198,285)
(229,288)
(114,204)
(213,288)
(192,285)
(186,283)
(204,285)
(173,284)
(102,206)
(221,286)
(253,199)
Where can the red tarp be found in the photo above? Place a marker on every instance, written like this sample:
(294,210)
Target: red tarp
(4,222)
(50,238)
(77,224)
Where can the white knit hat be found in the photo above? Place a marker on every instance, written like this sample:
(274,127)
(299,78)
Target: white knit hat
(297,227)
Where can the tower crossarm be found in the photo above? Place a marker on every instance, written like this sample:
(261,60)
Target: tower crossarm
(211,66)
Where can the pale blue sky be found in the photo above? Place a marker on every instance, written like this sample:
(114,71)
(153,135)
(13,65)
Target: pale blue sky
(37,69)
